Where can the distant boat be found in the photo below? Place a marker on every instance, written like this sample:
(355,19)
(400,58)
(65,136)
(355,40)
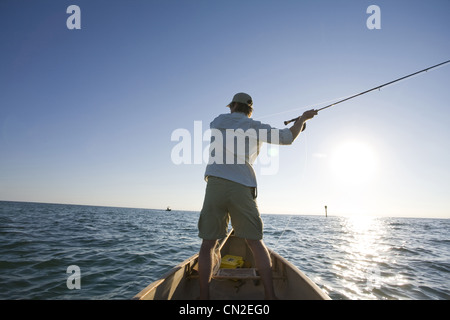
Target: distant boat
(168,209)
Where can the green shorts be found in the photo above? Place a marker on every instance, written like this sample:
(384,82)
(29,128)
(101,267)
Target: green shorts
(225,199)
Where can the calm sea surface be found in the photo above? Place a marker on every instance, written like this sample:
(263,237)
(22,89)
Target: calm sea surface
(119,251)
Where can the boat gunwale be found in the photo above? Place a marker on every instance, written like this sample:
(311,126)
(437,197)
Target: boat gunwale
(181,267)
(154,285)
(300,273)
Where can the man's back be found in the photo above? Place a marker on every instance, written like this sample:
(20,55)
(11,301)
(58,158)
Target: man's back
(235,143)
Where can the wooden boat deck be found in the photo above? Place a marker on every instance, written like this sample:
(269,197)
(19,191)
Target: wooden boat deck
(181,283)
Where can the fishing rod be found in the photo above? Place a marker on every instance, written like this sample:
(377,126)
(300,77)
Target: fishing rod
(375,88)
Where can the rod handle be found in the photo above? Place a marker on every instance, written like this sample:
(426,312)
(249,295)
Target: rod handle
(289,121)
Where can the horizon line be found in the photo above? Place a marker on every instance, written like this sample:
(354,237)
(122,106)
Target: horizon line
(262,213)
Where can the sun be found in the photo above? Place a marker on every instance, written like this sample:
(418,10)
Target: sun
(353,163)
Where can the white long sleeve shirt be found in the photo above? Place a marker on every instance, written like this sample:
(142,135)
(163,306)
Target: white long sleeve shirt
(235,143)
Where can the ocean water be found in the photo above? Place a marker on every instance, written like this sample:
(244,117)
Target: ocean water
(119,251)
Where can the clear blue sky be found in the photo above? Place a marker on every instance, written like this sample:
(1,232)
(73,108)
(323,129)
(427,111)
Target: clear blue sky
(86,116)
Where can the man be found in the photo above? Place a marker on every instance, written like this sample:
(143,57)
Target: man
(231,186)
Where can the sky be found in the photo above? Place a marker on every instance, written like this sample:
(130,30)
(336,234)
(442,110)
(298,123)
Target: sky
(87,116)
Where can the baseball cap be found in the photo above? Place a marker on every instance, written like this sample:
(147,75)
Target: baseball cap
(242,97)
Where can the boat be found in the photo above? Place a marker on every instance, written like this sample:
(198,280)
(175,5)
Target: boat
(168,209)
(244,283)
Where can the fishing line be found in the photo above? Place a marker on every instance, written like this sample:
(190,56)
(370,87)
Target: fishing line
(375,88)
(343,99)
(275,247)
(300,108)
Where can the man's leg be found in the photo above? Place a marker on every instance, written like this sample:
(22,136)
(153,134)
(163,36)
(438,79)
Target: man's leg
(264,266)
(205,266)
